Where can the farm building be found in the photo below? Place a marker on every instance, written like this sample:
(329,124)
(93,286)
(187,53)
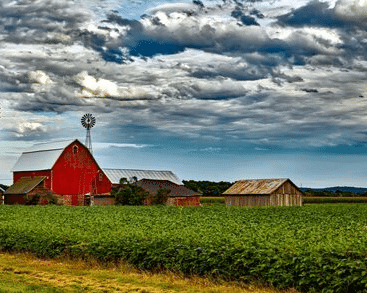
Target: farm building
(64,168)
(179,195)
(263,192)
(2,191)
(68,170)
(151,181)
(114,175)
(25,189)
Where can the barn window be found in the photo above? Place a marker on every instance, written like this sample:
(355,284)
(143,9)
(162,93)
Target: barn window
(100,176)
(75,149)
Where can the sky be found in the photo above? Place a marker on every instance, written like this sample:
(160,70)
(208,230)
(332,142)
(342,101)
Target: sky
(217,90)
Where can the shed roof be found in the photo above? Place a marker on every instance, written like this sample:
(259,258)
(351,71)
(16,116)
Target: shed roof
(2,190)
(114,175)
(152,187)
(41,156)
(24,185)
(255,186)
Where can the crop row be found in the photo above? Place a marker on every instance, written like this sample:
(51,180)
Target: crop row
(306,200)
(320,248)
(318,199)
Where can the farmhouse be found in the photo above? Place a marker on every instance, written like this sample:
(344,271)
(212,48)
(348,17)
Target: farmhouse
(64,168)
(263,192)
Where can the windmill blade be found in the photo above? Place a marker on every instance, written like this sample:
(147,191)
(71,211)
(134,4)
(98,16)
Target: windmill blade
(88,121)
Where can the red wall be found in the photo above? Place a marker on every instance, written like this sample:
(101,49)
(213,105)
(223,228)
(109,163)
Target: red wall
(47,173)
(101,184)
(184,201)
(73,172)
(15,199)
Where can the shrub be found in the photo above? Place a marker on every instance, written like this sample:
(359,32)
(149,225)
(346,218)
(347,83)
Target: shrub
(129,194)
(32,199)
(160,197)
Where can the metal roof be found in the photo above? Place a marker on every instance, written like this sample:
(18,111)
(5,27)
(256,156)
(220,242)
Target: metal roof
(24,185)
(152,186)
(255,186)
(116,174)
(55,145)
(41,156)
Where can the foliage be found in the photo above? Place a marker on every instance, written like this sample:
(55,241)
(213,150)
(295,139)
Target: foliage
(5,187)
(333,193)
(32,199)
(208,188)
(315,248)
(129,194)
(212,200)
(43,199)
(318,199)
(160,197)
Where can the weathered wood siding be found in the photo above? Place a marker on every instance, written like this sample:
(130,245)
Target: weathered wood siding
(264,200)
(287,188)
(285,200)
(248,200)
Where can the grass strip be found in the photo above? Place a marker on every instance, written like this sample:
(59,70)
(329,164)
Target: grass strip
(23,272)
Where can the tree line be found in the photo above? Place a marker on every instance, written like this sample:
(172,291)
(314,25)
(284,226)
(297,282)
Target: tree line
(208,188)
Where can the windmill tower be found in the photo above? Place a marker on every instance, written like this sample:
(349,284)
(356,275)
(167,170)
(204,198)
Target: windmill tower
(88,121)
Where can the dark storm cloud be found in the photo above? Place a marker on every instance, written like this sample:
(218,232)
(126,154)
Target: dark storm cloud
(315,13)
(220,72)
(239,14)
(40,21)
(320,14)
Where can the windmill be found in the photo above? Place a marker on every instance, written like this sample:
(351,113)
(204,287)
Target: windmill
(88,121)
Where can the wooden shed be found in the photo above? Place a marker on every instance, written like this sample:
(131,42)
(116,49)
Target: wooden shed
(263,192)
(25,189)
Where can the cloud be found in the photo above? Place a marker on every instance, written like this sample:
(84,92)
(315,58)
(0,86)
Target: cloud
(26,128)
(315,13)
(53,18)
(245,19)
(351,10)
(235,72)
(104,145)
(94,87)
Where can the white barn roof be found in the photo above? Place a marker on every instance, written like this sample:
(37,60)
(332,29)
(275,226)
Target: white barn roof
(41,156)
(116,174)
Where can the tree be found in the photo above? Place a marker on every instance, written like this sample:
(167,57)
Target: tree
(208,188)
(129,193)
(160,197)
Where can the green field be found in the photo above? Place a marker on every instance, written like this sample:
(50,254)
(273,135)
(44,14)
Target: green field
(320,248)
(323,199)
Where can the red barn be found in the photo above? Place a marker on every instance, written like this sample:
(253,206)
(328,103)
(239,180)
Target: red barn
(68,167)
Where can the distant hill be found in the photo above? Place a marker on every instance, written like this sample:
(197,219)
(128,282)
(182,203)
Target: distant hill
(360,190)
